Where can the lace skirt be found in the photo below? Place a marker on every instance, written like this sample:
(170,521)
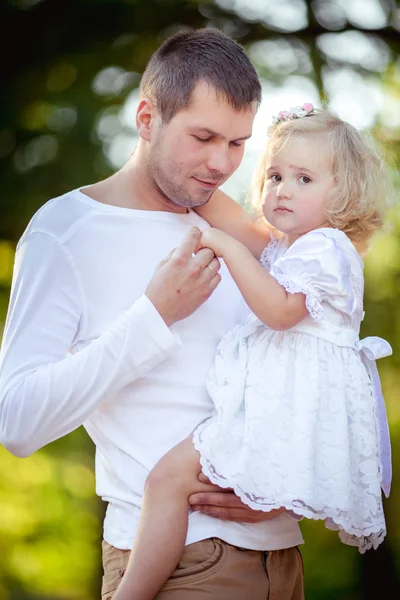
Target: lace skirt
(295,426)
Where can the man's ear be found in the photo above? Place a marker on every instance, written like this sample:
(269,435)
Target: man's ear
(145,115)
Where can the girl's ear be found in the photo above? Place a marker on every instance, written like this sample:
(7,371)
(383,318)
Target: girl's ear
(145,115)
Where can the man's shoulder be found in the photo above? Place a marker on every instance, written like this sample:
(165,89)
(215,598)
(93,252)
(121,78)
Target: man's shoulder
(59,216)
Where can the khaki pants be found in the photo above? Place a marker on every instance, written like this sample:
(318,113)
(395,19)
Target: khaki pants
(214,569)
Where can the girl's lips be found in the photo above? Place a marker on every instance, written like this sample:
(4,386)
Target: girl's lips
(282,209)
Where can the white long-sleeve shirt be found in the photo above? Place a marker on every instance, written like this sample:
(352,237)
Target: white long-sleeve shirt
(83,345)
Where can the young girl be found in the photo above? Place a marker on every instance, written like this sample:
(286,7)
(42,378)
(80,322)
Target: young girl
(299,418)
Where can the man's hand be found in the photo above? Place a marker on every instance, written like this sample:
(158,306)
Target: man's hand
(184,279)
(227,506)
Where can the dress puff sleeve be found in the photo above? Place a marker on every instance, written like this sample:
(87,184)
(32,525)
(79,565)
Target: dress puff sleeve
(318,266)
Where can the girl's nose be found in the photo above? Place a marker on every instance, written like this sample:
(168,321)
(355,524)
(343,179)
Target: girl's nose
(284,190)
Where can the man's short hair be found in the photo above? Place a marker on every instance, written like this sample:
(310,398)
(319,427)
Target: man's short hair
(203,55)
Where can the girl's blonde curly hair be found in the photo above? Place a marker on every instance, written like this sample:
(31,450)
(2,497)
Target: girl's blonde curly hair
(362,191)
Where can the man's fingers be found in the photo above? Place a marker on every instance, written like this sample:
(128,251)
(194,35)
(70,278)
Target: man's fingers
(222,498)
(203,257)
(225,514)
(209,487)
(214,283)
(166,258)
(203,478)
(241,515)
(227,506)
(213,267)
(234,514)
(190,242)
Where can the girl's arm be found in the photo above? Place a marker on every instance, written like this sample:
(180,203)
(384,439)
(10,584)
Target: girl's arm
(222,212)
(266,298)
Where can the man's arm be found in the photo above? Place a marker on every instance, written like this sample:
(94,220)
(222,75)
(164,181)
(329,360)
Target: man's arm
(45,394)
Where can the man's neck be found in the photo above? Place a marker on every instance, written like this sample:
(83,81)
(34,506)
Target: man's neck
(132,187)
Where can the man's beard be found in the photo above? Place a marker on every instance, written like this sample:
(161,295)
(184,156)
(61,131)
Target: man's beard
(165,178)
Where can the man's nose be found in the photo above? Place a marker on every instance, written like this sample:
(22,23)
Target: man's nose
(220,160)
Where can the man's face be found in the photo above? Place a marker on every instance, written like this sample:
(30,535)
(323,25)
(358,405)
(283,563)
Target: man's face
(199,149)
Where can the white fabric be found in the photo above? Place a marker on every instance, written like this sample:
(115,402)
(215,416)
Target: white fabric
(83,345)
(296,419)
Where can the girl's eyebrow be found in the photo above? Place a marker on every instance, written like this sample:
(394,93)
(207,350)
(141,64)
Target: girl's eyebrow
(294,167)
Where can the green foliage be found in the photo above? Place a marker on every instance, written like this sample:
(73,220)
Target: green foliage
(51,522)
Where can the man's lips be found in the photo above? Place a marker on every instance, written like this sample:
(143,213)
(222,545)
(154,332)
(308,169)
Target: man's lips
(211,185)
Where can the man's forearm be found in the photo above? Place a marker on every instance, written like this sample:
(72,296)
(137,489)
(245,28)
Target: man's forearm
(38,406)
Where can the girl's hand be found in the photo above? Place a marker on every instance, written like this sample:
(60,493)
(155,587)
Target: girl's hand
(217,240)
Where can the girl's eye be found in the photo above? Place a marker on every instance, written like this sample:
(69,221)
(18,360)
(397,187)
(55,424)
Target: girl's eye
(276,178)
(305,179)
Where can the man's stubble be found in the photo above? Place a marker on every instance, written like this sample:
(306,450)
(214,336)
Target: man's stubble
(166,176)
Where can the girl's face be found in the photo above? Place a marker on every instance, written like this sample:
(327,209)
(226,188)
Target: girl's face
(297,187)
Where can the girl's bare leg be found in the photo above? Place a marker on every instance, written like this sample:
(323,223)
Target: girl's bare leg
(163,522)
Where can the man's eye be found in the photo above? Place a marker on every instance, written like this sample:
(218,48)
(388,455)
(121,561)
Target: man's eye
(202,139)
(237,144)
(305,179)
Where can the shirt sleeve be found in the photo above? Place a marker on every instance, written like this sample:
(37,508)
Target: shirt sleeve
(45,392)
(317,266)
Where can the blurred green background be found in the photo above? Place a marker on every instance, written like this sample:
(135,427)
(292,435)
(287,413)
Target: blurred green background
(69,74)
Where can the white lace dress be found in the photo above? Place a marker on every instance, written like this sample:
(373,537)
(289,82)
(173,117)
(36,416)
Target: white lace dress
(299,417)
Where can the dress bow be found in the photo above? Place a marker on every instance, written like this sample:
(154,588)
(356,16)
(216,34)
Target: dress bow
(371,349)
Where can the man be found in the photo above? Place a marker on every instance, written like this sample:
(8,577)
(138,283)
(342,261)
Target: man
(140,338)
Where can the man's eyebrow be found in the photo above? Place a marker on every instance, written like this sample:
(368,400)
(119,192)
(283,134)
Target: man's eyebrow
(215,134)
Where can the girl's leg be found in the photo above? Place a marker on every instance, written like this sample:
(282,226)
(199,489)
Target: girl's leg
(163,522)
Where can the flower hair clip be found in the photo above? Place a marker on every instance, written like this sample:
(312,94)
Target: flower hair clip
(297,112)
